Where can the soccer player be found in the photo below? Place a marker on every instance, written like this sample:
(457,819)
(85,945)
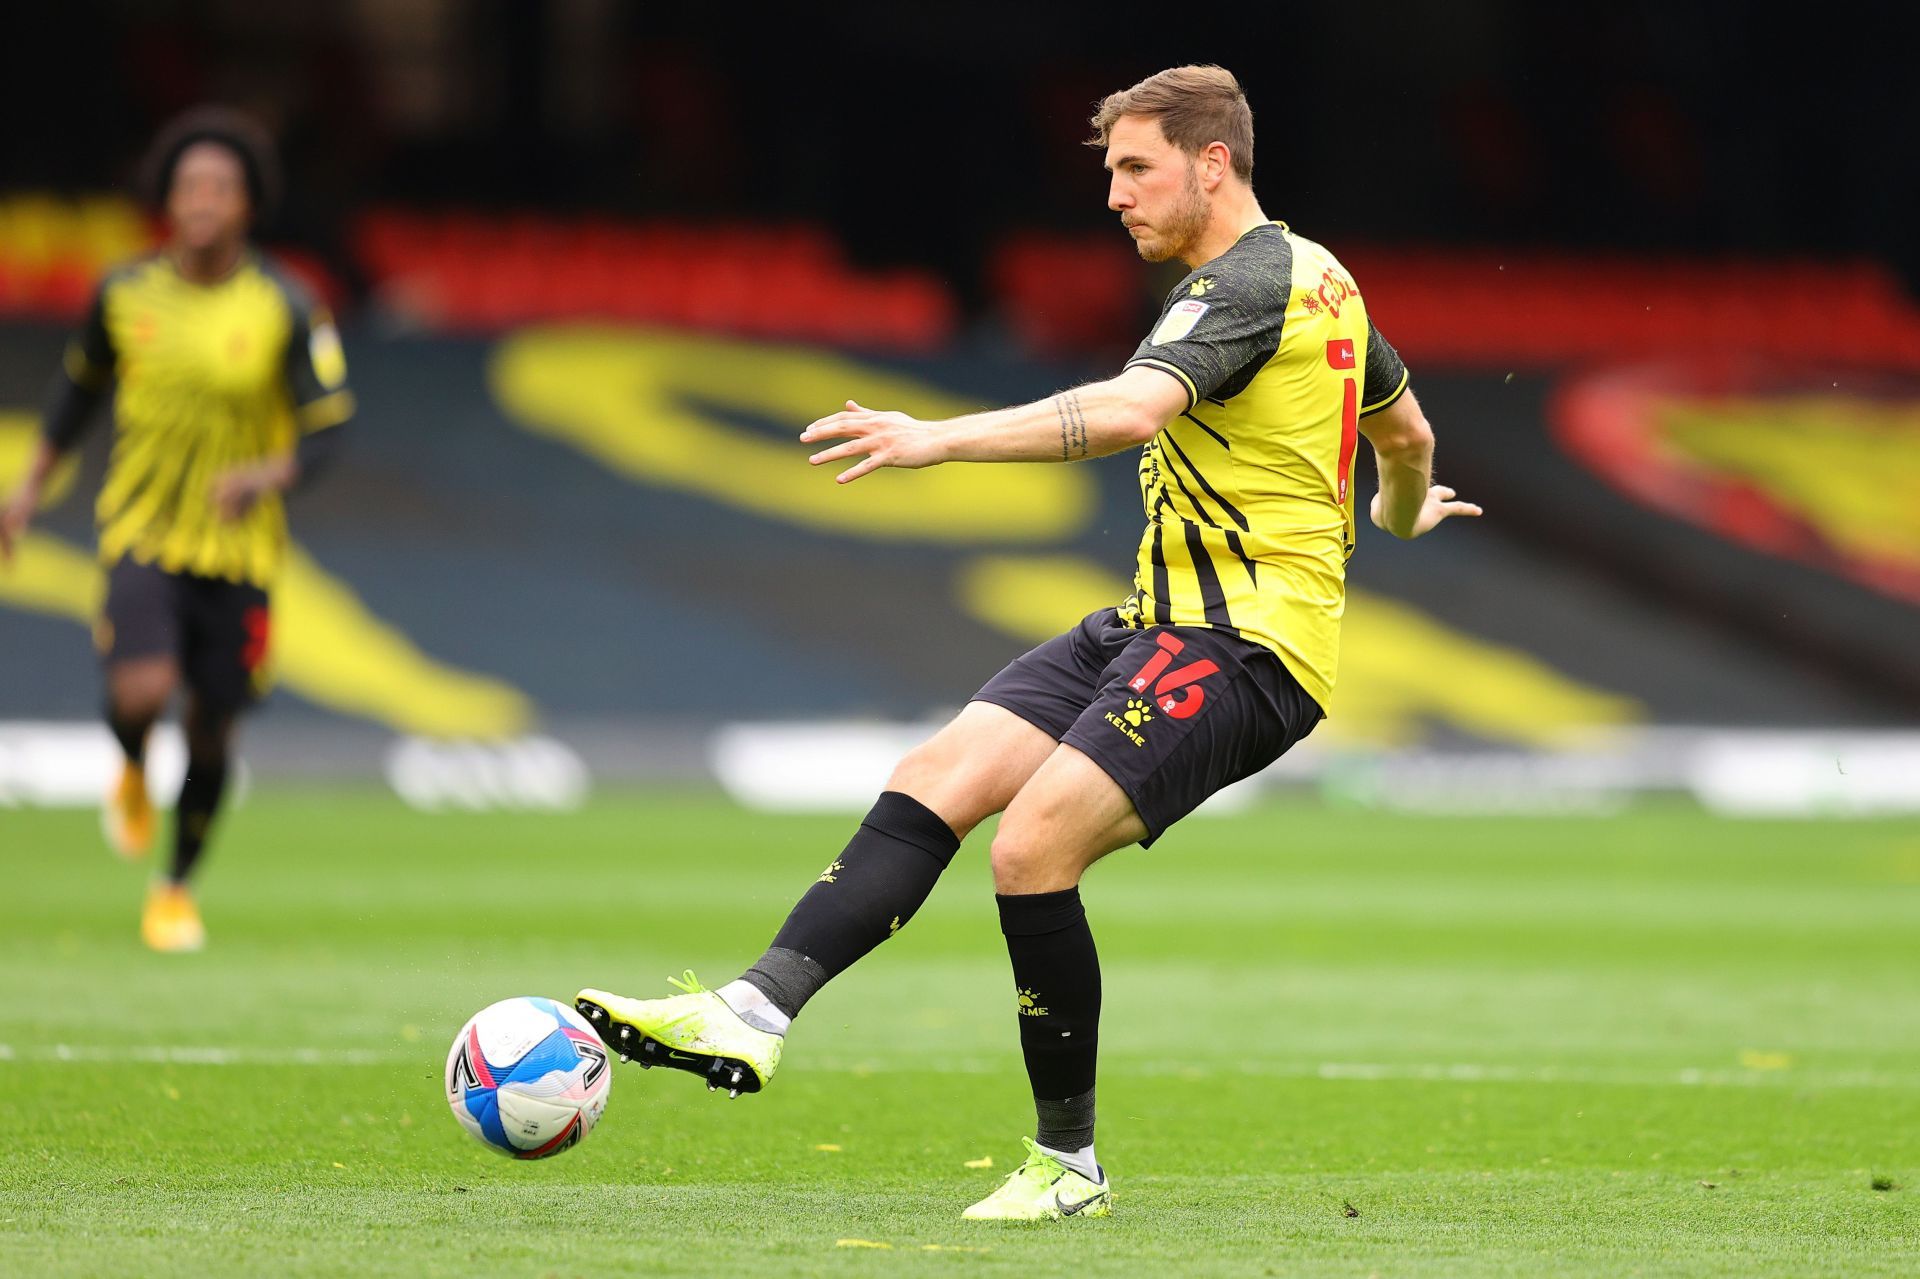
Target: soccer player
(231,390)
(1247,401)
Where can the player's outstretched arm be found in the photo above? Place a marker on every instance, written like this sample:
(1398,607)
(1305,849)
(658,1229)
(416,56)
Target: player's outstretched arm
(1087,421)
(18,511)
(71,402)
(1409,503)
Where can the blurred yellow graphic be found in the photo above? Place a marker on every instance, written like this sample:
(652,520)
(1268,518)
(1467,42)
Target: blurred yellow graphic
(1849,467)
(327,645)
(1400,670)
(655,407)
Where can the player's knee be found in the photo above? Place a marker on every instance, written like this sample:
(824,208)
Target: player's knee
(919,768)
(141,688)
(141,700)
(1021,862)
(936,775)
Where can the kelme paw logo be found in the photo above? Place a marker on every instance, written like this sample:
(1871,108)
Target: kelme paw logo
(1030,1004)
(1137,712)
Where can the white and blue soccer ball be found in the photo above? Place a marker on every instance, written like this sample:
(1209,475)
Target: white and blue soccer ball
(527,1077)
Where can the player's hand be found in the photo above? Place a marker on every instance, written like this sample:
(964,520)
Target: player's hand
(14,518)
(1439,505)
(878,439)
(236,491)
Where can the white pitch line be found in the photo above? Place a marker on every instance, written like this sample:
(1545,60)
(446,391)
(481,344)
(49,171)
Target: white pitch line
(1687,1077)
(187,1055)
(1331,1071)
(1425,1072)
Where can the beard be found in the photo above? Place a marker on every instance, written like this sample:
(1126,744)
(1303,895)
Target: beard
(1183,224)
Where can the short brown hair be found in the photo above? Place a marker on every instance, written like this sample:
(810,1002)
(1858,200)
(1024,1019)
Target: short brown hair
(1196,107)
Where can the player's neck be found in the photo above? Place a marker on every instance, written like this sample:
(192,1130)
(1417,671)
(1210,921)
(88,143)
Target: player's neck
(1232,218)
(209,265)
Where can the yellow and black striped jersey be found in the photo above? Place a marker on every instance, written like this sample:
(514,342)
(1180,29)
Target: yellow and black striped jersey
(1249,515)
(210,377)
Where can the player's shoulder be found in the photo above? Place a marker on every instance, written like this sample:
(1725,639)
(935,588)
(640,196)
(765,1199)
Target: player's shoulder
(299,297)
(133,272)
(1315,258)
(1258,264)
(1259,247)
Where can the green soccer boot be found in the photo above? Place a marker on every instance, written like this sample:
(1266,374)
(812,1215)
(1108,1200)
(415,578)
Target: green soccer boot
(694,1031)
(1044,1189)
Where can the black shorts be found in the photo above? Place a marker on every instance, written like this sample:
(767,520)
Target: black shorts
(217,630)
(1172,713)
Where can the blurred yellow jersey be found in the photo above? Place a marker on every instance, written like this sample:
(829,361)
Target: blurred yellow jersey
(211,376)
(1250,513)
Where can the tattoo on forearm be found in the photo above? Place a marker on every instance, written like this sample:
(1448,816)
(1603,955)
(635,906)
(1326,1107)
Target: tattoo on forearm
(1073,426)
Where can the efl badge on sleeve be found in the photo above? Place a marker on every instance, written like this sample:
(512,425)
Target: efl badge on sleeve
(329,361)
(1179,322)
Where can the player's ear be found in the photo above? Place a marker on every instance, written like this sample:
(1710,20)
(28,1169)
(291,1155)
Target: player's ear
(1218,161)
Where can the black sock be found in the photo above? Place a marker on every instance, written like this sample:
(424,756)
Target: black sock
(131,734)
(869,893)
(199,800)
(1056,972)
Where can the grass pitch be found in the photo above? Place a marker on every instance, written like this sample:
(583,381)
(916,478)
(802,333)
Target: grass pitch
(1336,1043)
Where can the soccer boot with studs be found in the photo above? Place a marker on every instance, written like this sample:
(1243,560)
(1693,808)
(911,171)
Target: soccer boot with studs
(1044,1189)
(694,1031)
(126,816)
(170,923)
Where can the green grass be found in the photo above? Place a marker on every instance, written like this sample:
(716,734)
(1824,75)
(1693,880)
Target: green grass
(1650,1045)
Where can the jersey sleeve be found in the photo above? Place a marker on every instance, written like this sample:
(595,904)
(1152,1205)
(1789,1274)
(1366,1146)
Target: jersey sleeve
(316,368)
(1220,329)
(86,373)
(1386,374)
(89,358)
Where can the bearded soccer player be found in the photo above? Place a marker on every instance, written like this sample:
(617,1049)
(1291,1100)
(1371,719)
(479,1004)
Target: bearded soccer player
(231,390)
(1247,400)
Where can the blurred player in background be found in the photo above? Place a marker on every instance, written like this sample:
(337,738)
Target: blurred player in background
(1249,398)
(231,390)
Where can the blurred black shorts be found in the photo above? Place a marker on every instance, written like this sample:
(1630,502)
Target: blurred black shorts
(1171,713)
(217,630)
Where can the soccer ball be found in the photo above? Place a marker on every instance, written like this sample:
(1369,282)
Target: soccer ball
(527,1077)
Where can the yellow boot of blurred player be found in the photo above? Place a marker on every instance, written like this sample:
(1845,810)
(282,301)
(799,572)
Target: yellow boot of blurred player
(171,922)
(128,817)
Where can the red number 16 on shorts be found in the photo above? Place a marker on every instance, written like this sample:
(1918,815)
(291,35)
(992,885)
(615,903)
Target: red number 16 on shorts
(1177,692)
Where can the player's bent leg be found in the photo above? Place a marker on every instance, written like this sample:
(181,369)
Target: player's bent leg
(865,895)
(969,770)
(1070,815)
(138,634)
(138,690)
